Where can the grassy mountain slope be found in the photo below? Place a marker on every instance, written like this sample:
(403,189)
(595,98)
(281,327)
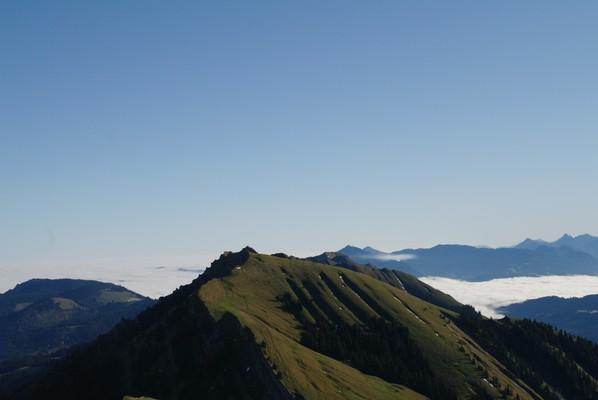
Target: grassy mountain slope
(174,350)
(393,277)
(254,292)
(255,326)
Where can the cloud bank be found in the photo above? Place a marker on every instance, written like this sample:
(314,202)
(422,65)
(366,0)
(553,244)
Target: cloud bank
(490,295)
(153,281)
(393,257)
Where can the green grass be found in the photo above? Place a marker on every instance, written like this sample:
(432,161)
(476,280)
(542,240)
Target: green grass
(253,292)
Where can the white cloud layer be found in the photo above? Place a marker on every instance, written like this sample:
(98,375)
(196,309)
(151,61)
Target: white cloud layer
(488,296)
(393,257)
(152,281)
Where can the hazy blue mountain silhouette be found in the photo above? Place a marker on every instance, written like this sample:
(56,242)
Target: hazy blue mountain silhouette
(576,315)
(531,244)
(585,243)
(377,258)
(477,263)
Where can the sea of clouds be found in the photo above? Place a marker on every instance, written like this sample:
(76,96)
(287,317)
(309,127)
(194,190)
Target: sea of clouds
(161,280)
(488,296)
(151,281)
(393,257)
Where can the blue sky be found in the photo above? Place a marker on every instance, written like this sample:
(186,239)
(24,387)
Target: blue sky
(147,133)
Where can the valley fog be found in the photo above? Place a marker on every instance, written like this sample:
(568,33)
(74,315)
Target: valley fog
(488,296)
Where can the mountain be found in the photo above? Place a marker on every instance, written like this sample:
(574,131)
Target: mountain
(41,318)
(531,244)
(478,264)
(393,277)
(576,315)
(256,326)
(584,243)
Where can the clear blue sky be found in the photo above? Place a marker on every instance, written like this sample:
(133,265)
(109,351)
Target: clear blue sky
(155,132)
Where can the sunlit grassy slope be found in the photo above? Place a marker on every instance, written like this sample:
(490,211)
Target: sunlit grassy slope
(253,292)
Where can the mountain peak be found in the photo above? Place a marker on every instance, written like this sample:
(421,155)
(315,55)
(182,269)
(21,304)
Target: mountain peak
(531,244)
(248,249)
(350,250)
(585,236)
(351,247)
(357,251)
(372,250)
(227,261)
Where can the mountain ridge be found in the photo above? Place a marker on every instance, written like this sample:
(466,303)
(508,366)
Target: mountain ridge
(584,242)
(305,330)
(481,263)
(393,277)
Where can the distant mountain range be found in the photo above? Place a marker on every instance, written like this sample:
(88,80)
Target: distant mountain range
(566,256)
(584,243)
(41,318)
(576,315)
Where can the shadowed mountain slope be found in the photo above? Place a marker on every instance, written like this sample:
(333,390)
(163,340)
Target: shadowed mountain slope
(42,316)
(393,277)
